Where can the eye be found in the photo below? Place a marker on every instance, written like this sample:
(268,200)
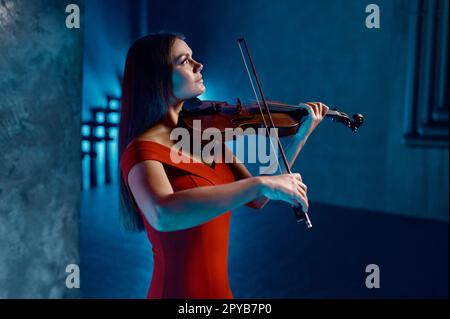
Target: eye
(185,61)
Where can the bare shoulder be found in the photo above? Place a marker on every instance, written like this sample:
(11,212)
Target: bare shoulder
(149,178)
(150,136)
(149,168)
(144,170)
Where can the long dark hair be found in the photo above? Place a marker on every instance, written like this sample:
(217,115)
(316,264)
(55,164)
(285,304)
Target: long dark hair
(146,92)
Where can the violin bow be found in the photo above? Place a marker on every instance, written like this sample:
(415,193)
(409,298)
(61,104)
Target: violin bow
(298,212)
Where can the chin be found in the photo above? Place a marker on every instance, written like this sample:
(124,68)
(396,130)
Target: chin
(199,92)
(194,93)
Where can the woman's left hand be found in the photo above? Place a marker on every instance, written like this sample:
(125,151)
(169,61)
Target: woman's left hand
(316,113)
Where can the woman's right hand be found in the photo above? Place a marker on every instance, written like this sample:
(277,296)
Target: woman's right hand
(286,187)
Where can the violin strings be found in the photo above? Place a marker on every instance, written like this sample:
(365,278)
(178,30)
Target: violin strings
(260,108)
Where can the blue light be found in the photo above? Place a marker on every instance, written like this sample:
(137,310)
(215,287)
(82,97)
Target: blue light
(100,148)
(85,130)
(85,145)
(100,131)
(114,155)
(113,132)
(85,171)
(114,104)
(113,118)
(100,117)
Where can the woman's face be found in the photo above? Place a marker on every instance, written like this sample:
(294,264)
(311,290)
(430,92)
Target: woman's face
(186,78)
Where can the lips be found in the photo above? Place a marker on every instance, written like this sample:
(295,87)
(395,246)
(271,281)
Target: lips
(200,80)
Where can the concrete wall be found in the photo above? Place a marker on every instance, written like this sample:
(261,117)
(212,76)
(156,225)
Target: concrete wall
(322,51)
(40,105)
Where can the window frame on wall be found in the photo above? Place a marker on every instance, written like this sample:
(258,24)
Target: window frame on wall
(427,97)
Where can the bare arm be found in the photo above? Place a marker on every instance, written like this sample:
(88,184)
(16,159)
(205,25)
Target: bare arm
(294,145)
(167,210)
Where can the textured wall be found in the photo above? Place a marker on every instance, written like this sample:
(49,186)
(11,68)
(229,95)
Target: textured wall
(40,103)
(322,51)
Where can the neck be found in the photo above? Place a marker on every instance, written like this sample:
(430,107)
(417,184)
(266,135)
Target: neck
(171,120)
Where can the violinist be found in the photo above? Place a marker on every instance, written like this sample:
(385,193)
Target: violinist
(185,208)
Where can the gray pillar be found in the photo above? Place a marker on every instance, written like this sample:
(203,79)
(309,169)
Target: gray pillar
(40,104)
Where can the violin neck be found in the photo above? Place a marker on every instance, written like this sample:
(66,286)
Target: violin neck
(283,106)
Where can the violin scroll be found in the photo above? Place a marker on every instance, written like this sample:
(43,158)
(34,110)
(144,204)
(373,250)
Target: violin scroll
(341,117)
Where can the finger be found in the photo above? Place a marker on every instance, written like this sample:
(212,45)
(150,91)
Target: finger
(301,184)
(304,203)
(298,176)
(302,193)
(301,199)
(325,109)
(302,189)
(310,106)
(314,107)
(295,181)
(318,110)
(305,197)
(322,109)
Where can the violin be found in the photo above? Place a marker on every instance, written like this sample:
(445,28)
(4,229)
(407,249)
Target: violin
(222,115)
(286,118)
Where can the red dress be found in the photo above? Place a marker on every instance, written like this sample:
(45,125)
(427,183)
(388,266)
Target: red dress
(189,263)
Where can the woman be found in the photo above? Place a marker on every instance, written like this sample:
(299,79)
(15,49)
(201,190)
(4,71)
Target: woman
(185,207)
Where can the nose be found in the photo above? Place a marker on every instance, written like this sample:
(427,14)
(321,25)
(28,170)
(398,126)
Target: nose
(198,66)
